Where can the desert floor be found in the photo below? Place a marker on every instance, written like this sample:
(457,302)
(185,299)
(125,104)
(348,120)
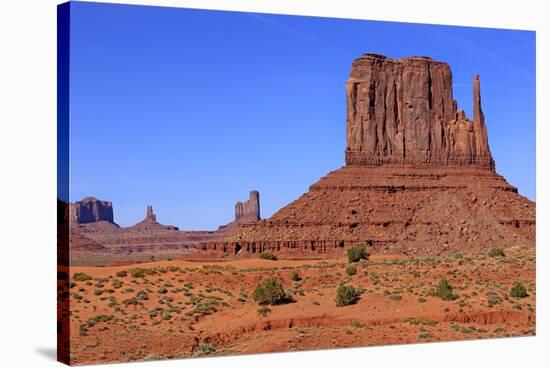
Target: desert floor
(178,308)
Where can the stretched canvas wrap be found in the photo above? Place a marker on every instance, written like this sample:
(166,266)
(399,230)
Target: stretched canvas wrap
(234,183)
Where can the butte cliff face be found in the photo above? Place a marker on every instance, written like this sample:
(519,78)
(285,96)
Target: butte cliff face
(402,111)
(248,211)
(90,210)
(419,177)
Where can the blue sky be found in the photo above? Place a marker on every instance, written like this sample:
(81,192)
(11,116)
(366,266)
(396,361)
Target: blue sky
(188,110)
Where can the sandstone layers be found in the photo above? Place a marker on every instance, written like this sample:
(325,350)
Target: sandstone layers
(419,176)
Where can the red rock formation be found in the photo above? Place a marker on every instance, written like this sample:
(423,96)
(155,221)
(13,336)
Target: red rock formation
(91,210)
(150,223)
(248,211)
(419,177)
(401,111)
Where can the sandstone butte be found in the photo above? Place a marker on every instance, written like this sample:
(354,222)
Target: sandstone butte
(419,177)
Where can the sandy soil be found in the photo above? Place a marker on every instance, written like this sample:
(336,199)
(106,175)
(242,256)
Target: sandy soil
(188,309)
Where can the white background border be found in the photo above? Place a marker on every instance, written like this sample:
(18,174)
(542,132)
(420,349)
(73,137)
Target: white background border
(28,182)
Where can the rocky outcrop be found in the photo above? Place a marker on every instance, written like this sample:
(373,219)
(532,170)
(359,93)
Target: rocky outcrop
(150,223)
(245,212)
(419,177)
(401,111)
(248,211)
(90,210)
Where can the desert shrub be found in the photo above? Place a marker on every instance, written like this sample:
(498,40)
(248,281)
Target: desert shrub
(100,318)
(496,252)
(357,253)
(425,335)
(116,283)
(268,256)
(270,292)
(142,295)
(444,291)
(396,296)
(82,277)
(206,308)
(263,311)
(356,324)
(130,301)
(122,273)
(518,291)
(351,270)
(295,276)
(206,348)
(98,292)
(346,295)
(141,272)
(420,321)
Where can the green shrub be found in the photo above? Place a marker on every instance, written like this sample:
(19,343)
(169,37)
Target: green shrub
(122,273)
(346,295)
(100,318)
(270,292)
(518,291)
(496,252)
(444,291)
(295,276)
(357,253)
(268,256)
(351,270)
(205,348)
(116,283)
(141,272)
(82,277)
(142,295)
(263,311)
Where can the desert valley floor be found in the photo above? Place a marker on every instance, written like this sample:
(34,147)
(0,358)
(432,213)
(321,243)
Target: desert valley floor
(179,308)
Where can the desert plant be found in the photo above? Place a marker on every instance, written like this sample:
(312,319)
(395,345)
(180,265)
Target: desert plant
(496,252)
(295,276)
(346,295)
(268,256)
(270,292)
(351,270)
(82,277)
(518,291)
(263,311)
(122,273)
(205,348)
(141,272)
(142,295)
(357,253)
(444,291)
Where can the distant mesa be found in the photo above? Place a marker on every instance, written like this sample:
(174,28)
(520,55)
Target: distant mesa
(90,210)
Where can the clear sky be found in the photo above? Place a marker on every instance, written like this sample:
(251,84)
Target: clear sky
(188,110)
